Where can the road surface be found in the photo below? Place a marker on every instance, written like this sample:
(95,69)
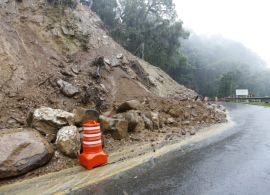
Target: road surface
(236,162)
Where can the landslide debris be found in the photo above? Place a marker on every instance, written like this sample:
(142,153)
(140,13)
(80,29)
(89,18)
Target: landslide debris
(59,68)
(63,58)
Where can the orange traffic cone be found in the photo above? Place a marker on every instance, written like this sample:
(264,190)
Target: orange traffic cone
(92,155)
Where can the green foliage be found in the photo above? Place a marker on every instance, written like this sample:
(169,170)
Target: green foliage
(227,84)
(69,3)
(147,28)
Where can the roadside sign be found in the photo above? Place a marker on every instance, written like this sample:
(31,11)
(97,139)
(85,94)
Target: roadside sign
(241,92)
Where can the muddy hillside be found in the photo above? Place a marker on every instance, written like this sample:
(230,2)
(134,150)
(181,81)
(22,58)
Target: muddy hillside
(42,45)
(57,63)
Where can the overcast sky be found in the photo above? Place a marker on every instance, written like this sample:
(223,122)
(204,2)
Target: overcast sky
(246,21)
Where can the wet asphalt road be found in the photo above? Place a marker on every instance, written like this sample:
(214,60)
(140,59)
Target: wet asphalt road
(236,162)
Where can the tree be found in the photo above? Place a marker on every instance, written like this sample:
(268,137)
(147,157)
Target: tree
(70,3)
(227,84)
(107,10)
(147,28)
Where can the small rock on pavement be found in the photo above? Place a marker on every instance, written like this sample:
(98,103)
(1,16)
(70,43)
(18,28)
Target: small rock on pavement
(48,121)
(67,88)
(192,132)
(129,105)
(22,150)
(68,141)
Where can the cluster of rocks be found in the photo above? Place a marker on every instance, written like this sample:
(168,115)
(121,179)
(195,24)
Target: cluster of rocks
(129,118)
(24,149)
(133,116)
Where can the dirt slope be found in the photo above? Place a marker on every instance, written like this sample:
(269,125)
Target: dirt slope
(40,44)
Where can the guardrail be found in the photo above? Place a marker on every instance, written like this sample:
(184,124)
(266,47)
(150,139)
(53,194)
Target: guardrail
(262,99)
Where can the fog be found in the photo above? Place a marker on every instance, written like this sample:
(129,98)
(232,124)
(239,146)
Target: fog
(245,21)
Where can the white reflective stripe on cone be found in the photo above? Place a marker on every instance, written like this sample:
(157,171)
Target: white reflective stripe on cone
(91,128)
(92,143)
(92,135)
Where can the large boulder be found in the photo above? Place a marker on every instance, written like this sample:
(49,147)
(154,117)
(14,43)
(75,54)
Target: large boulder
(135,121)
(68,141)
(117,126)
(129,105)
(48,121)
(120,129)
(67,88)
(22,150)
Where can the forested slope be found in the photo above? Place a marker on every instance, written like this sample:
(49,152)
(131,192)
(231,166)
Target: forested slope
(218,66)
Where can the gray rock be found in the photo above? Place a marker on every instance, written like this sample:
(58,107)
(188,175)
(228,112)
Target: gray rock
(192,132)
(68,141)
(115,63)
(171,121)
(22,150)
(185,122)
(129,105)
(107,61)
(183,132)
(75,70)
(67,88)
(124,61)
(48,121)
(222,108)
(120,56)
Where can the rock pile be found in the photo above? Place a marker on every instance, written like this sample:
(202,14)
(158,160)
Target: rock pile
(22,150)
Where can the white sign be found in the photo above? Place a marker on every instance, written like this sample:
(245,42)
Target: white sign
(242,92)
